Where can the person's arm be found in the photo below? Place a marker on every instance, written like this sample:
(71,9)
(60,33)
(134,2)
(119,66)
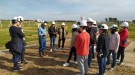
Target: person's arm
(20,33)
(117,42)
(40,32)
(77,42)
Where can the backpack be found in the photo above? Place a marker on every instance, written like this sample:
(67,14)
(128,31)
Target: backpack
(8,45)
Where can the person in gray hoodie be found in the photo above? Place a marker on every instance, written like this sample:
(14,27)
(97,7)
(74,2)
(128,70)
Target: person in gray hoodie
(113,45)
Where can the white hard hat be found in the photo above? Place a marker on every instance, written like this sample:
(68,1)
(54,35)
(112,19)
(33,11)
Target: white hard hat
(74,26)
(124,24)
(114,26)
(90,20)
(104,26)
(94,22)
(53,22)
(15,18)
(83,23)
(20,18)
(63,24)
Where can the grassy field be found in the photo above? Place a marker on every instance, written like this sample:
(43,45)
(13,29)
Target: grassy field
(30,29)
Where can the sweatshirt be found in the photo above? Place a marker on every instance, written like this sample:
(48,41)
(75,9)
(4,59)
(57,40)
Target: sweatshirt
(82,44)
(74,34)
(114,41)
(123,37)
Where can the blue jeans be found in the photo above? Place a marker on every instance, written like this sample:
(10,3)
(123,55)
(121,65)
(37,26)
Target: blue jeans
(113,57)
(16,59)
(42,43)
(90,54)
(102,64)
(52,41)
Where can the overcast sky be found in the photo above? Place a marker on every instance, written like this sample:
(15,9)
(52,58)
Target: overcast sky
(67,9)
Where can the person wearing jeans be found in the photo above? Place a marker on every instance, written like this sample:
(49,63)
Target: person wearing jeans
(52,34)
(102,48)
(81,44)
(42,39)
(123,41)
(73,49)
(113,45)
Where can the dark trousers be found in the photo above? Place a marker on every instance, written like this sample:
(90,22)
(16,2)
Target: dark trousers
(90,54)
(16,59)
(102,64)
(52,41)
(73,50)
(59,42)
(42,43)
(22,55)
(121,53)
(113,57)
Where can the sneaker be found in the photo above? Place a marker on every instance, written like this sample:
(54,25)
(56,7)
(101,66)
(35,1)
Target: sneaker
(66,64)
(75,62)
(103,73)
(50,50)
(15,69)
(24,63)
(111,69)
(117,60)
(121,63)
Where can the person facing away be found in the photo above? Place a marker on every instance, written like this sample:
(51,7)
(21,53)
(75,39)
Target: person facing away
(62,32)
(72,47)
(42,33)
(82,48)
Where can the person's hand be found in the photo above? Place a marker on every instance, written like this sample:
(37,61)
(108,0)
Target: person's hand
(100,55)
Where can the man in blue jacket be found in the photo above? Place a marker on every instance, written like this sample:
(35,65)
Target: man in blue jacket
(42,33)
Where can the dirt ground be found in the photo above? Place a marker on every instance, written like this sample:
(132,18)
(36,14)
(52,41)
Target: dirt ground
(52,64)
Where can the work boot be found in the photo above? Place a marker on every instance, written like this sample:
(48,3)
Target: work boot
(40,54)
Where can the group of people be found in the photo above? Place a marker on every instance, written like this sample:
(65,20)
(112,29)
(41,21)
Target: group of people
(86,34)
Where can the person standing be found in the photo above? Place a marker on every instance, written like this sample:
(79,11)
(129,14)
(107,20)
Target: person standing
(113,45)
(72,47)
(123,41)
(42,33)
(82,48)
(16,43)
(92,30)
(102,48)
(52,34)
(62,32)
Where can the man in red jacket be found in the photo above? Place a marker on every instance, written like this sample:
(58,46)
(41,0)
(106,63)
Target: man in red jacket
(123,41)
(82,48)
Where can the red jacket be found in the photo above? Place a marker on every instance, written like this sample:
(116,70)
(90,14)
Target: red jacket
(123,37)
(81,44)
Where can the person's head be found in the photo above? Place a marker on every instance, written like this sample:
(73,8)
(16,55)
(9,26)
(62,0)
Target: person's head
(15,21)
(43,25)
(124,25)
(94,23)
(74,28)
(63,25)
(103,29)
(89,22)
(53,24)
(113,28)
(82,26)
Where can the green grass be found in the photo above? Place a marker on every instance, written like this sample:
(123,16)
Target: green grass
(31,31)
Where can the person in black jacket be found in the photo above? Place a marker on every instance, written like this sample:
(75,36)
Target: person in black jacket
(102,48)
(16,43)
(52,34)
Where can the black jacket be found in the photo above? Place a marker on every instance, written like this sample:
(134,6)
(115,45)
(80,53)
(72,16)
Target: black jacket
(92,31)
(16,39)
(103,44)
(51,31)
